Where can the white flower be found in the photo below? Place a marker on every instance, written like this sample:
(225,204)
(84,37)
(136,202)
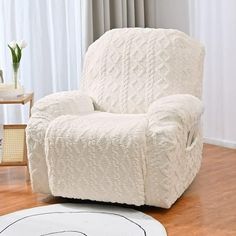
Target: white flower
(12,44)
(22,44)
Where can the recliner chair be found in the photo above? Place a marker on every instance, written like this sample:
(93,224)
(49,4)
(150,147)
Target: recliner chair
(132,133)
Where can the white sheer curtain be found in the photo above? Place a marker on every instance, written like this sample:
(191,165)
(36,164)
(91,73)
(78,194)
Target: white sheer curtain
(214,23)
(52,60)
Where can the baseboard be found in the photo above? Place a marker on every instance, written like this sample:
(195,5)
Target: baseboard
(220,142)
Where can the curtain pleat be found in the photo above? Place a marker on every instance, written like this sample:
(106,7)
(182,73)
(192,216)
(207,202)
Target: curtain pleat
(116,16)
(88,22)
(150,13)
(131,11)
(98,18)
(139,13)
(124,13)
(107,15)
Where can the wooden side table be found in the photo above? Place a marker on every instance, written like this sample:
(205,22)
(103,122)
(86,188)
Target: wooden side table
(14,152)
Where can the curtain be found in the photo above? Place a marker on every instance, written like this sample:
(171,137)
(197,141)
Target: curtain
(103,15)
(52,61)
(214,23)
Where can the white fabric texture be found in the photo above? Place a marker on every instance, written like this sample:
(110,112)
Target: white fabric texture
(43,112)
(136,66)
(174,147)
(107,154)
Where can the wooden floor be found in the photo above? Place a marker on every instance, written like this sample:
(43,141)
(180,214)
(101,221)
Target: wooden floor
(208,207)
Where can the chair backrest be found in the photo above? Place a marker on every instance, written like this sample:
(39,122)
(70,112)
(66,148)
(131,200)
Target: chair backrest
(127,69)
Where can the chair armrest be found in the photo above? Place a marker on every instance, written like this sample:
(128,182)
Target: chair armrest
(52,106)
(180,110)
(176,115)
(173,151)
(63,103)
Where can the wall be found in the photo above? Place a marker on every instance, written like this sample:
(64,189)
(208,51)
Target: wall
(213,23)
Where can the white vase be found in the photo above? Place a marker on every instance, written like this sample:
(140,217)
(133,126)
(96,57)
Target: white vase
(15,75)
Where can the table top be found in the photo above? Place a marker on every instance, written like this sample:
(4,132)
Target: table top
(18,100)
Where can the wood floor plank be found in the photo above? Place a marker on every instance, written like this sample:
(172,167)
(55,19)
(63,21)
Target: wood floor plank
(208,207)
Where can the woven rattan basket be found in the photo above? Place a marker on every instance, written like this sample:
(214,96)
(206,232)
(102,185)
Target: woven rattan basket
(13,144)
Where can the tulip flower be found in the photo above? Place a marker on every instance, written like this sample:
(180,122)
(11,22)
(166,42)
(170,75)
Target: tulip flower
(16,49)
(22,44)
(12,44)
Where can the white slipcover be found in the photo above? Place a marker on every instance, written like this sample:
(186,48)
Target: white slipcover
(132,133)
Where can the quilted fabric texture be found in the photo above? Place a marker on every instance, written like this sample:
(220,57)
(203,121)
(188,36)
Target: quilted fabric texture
(43,112)
(99,156)
(172,162)
(128,69)
(132,134)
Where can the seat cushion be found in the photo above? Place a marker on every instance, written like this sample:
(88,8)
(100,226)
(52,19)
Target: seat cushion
(98,156)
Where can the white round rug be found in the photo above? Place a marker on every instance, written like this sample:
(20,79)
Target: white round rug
(79,219)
